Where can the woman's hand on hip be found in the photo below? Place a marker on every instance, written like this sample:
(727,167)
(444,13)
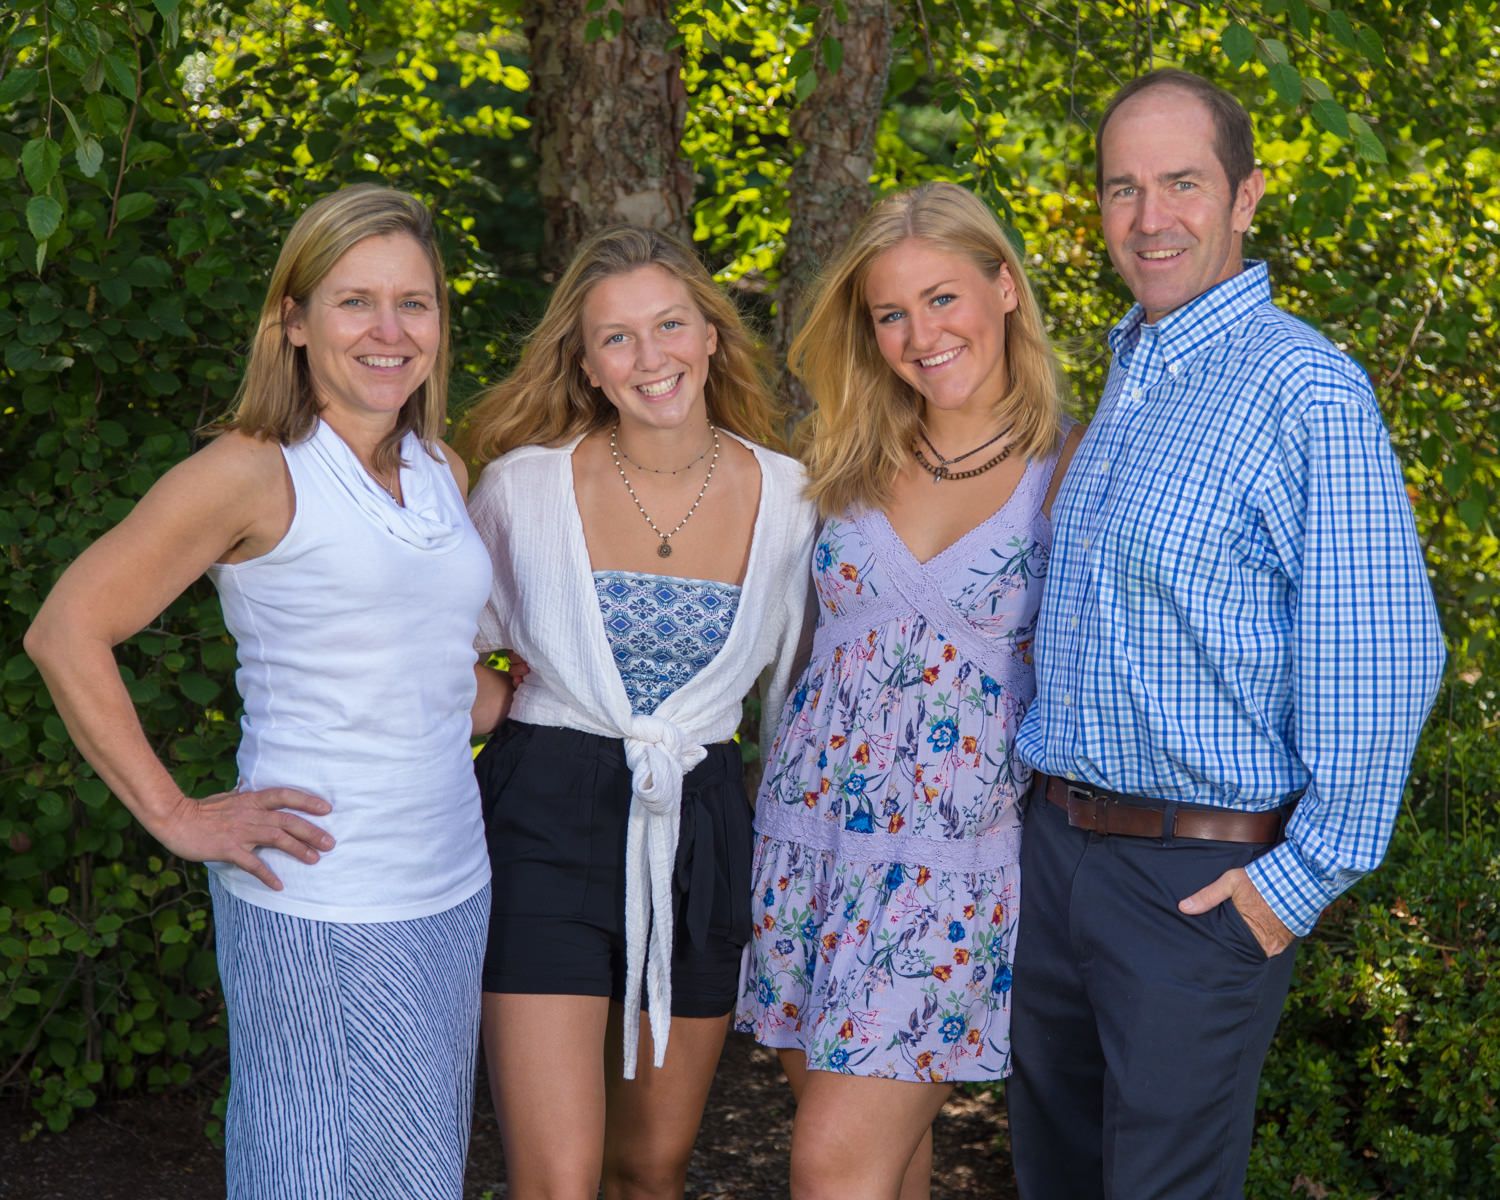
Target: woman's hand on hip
(231,826)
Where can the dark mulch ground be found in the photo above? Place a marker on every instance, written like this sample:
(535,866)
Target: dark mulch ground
(152,1148)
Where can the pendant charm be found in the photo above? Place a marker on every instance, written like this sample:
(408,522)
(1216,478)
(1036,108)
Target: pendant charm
(664,550)
(939,475)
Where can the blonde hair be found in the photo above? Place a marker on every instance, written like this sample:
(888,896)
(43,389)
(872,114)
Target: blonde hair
(548,399)
(276,399)
(866,416)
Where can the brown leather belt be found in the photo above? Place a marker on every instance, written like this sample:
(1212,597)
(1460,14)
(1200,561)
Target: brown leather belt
(1100,811)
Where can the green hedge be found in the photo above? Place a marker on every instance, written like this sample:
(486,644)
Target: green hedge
(1384,1079)
(151,158)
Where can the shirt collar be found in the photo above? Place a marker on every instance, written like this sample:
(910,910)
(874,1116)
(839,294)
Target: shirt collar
(1204,319)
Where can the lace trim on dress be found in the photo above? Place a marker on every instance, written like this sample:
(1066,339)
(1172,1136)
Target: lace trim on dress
(987,852)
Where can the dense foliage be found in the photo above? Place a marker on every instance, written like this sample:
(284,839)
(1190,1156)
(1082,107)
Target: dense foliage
(152,155)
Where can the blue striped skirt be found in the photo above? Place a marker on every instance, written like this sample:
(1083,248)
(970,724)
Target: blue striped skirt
(351,1051)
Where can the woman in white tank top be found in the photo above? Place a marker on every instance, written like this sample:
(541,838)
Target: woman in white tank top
(348,870)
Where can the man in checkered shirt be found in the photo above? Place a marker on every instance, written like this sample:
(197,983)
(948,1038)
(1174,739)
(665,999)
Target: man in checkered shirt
(1235,654)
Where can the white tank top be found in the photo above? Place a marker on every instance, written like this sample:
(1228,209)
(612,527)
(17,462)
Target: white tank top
(355,637)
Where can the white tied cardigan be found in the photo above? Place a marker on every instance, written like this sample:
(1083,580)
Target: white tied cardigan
(545,608)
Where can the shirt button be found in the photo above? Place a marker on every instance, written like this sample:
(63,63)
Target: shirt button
(1104,466)
(1072,622)
(1067,698)
(1087,542)
(1135,393)
(1173,369)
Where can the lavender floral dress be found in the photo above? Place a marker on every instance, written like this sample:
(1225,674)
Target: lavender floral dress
(886,875)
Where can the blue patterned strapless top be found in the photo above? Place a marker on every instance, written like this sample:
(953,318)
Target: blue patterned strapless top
(662,630)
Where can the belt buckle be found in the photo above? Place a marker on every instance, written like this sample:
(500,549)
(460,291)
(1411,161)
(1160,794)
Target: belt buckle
(1083,800)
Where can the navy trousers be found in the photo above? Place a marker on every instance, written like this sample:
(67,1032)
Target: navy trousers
(1137,1033)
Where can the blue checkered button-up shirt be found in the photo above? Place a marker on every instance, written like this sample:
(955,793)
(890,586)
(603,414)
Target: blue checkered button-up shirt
(1236,607)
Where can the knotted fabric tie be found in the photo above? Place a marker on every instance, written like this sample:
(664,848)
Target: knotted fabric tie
(658,757)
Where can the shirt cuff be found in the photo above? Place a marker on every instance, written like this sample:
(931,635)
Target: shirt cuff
(1290,887)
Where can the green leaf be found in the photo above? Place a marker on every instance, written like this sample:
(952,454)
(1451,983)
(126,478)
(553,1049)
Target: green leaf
(806,85)
(1370,45)
(1301,17)
(1473,511)
(18,85)
(167,8)
(1341,28)
(120,74)
(1288,84)
(801,63)
(43,216)
(338,13)
(57,895)
(833,54)
(40,159)
(1330,115)
(198,688)
(1238,44)
(90,156)
(133,206)
(1366,144)
(1272,51)
(106,113)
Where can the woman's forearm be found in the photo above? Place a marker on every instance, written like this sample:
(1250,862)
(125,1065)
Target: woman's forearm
(492,697)
(91,698)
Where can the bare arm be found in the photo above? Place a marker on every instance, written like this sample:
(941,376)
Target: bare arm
(231,501)
(1064,457)
(492,698)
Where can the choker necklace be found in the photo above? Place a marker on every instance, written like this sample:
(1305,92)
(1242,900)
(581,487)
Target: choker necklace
(942,469)
(664,550)
(658,471)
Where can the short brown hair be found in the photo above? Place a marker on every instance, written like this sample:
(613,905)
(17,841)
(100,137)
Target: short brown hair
(1234,143)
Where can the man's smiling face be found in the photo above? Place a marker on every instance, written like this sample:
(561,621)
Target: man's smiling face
(1171,222)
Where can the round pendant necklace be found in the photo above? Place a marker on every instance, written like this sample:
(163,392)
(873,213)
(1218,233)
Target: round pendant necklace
(943,468)
(664,550)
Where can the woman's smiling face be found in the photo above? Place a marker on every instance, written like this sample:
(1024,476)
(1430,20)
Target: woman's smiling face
(647,346)
(371,329)
(940,323)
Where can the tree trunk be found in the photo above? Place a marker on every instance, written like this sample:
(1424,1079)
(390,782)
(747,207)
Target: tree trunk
(830,183)
(608,123)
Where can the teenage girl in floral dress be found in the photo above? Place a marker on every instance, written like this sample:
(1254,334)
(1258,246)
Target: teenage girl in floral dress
(886,885)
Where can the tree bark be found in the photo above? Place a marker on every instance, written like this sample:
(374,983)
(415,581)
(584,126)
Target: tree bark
(830,181)
(608,123)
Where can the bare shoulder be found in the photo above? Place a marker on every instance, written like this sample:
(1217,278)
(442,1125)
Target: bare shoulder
(457,465)
(239,486)
(1064,457)
(229,473)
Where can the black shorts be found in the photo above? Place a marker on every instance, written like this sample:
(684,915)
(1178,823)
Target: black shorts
(556,802)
